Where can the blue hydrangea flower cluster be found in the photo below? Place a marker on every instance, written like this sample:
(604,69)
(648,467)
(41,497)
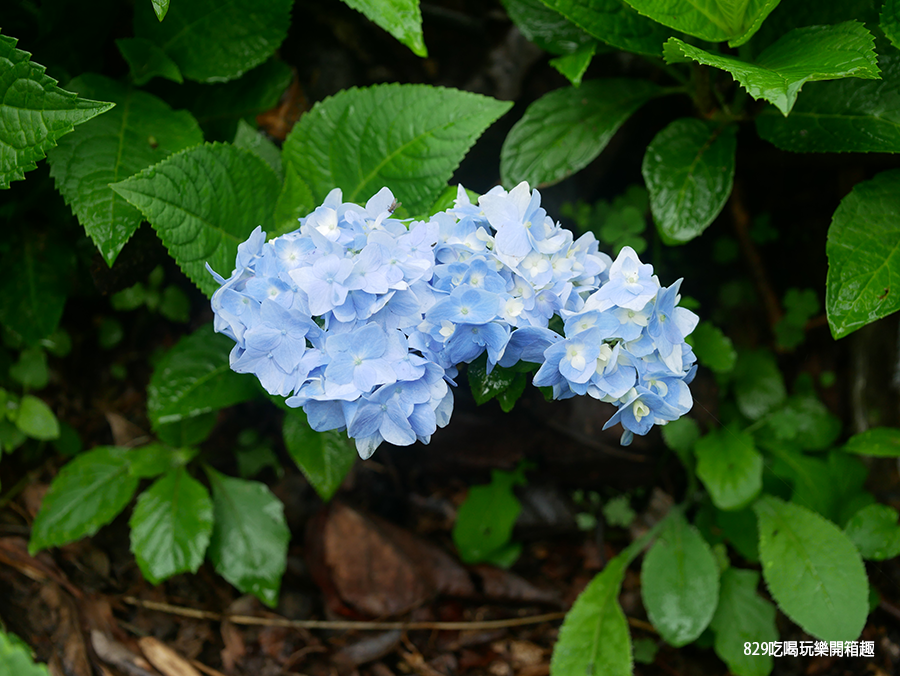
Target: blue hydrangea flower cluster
(362,319)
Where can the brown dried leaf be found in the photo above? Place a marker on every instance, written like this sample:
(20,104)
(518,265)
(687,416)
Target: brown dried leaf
(166,660)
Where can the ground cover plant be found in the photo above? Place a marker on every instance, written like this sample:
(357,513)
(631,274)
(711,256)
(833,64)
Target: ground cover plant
(289,323)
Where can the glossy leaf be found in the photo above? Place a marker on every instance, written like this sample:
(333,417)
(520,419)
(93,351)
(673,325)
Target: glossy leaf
(213,41)
(34,112)
(147,61)
(547,28)
(194,378)
(324,457)
(689,171)
(203,202)
(140,131)
(35,419)
(88,493)
(400,18)
(864,255)
(408,137)
(187,431)
(574,65)
(294,202)
(758,383)
(875,532)
(812,570)
(730,467)
(152,460)
(879,442)
(485,386)
(711,20)
(250,536)
(803,55)
(743,617)
(564,130)
(250,139)
(713,348)
(160,8)
(170,526)
(680,582)
(594,637)
(890,21)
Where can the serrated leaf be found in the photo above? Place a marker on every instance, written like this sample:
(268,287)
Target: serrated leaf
(615,23)
(878,442)
(844,116)
(400,18)
(324,457)
(546,28)
(812,570)
(294,202)
(711,20)
(680,582)
(875,532)
(160,8)
(407,137)
(15,656)
(564,130)
(485,520)
(758,384)
(864,255)
(730,467)
(743,617)
(34,112)
(170,526)
(890,21)
(140,131)
(36,419)
(147,61)
(806,422)
(689,171)
(194,378)
(803,55)
(213,41)
(152,460)
(203,202)
(792,14)
(713,348)
(574,65)
(594,637)
(250,536)
(87,493)
(250,139)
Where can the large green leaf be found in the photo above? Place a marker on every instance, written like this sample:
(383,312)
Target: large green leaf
(879,442)
(812,570)
(680,582)
(194,378)
(34,112)
(215,41)
(564,130)
(890,21)
(730,467)
(407,137)
(863,249)
(875,532)
(147,61)
(803,55)
(250,537)
(203,202)
(171,525)
(615,23)
(844,116)
(15,657)
(594,637)
(400,18)
(546,28)
(743,617)
(811,478)
(87,493)
(758,383)
(250,139)
(140,131)
(689,171)
(711,20)
(324,457)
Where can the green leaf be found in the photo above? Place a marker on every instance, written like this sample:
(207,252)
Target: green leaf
(508,397)
(34,112)
(407,137)
(681,435)
(803,55)
(31,371)
(844,116)
(875,532)
(203,202)
(187,431)
(564,130)
(574,65)
(711,20)
(294,202)
(547,28)
(812,570)
(147,61)
(213,41)
(739,529)
(799,307)
(400,18)
(15,656)
(194,378)
(324,457)
(484,522)
(806,422)
(35,419)
(713,348)
(680,582)
(485,386)
(152,460)
(730,467)
(743,617)
(160,8)
(890,21)
(250,139)
(175,305)
(140,131)
(810,477)
(689,171)
(878,442)
(615,23)
(758,384)
(250,537)
(594,637)
(864,255)
(87,493)
(170,526)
